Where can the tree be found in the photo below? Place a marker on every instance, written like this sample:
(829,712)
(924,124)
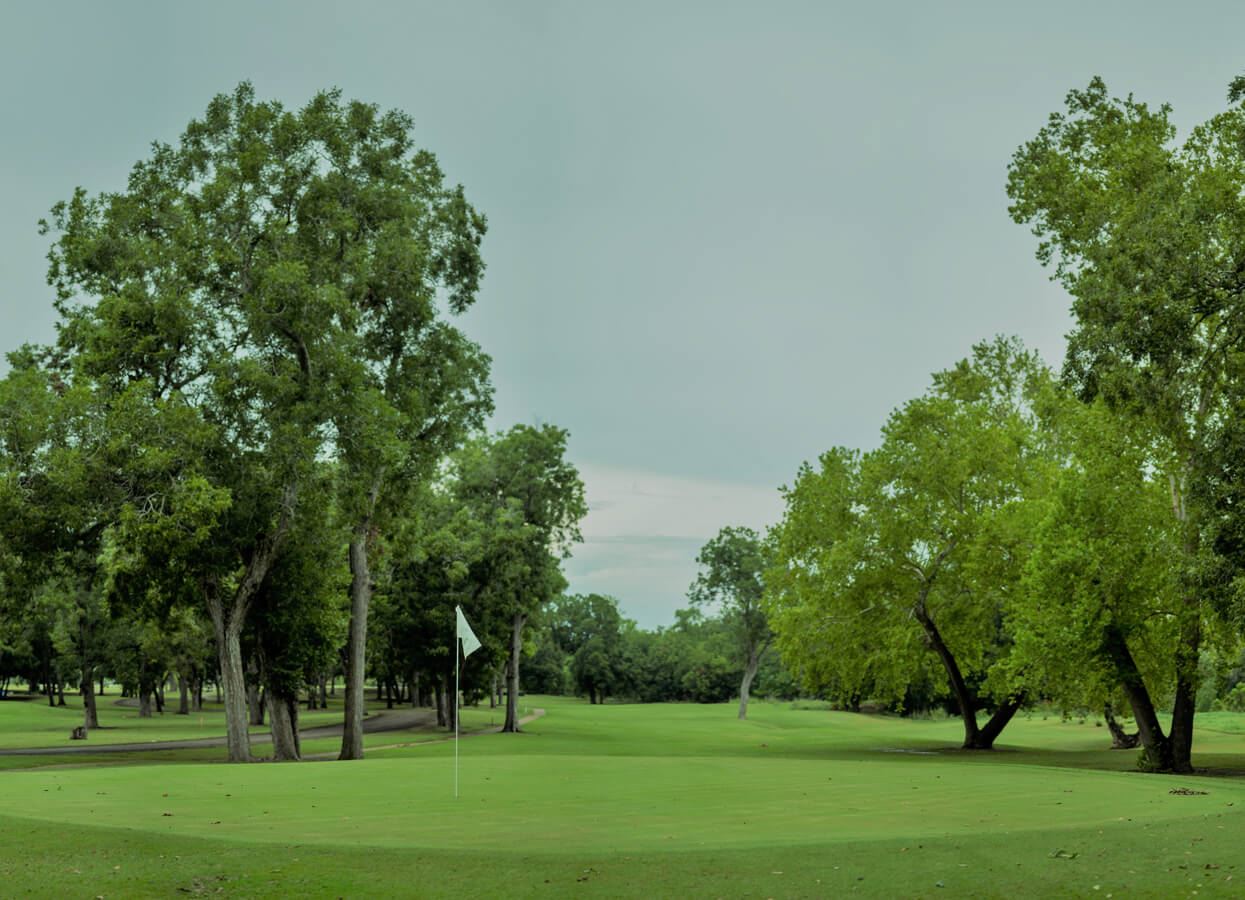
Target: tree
(414,385)
(1092,616)
(530,500)
(1148,237)
(732,567)
(885,558)
(589,630)
(276,272)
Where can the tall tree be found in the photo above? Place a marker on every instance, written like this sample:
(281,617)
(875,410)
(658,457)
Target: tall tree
(732,567)
(416,385)
(887,559)
(531,498)
(1091,618)
(1148,237)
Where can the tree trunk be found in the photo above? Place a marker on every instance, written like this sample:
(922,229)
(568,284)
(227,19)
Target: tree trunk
(1120,739)
(231,681)
(60,690)
(183,695)
(254,696)
(1184,702)
(1157,750)
(159,696)
(283,719)
(959,688)
(451,701)
(228,621)
(101,685)
(440,695)
(750,672)
(324,693)
(356,645)
(990,731)
(495,692)
(144,702)
(512,675)
(90,716)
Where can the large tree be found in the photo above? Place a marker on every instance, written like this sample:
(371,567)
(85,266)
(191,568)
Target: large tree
(1091,619)
(732,568)
(529,499)
(892,560)
(1147,235)
(225,279)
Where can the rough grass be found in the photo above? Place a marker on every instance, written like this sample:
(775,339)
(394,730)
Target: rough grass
(643,801)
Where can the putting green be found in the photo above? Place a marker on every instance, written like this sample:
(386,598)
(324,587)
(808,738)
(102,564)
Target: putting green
(641,801)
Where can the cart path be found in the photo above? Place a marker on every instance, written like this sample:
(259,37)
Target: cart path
(384,720)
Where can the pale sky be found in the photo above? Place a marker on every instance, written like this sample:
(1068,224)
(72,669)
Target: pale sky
(723,237)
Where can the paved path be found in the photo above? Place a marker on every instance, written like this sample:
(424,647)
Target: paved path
(384,720)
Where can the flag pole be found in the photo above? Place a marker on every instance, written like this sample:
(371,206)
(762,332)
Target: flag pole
(457,669)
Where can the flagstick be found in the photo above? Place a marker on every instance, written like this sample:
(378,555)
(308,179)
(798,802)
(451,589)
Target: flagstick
(457,669)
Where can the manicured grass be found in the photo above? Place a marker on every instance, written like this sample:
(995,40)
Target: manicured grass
(32,723)
(628,800)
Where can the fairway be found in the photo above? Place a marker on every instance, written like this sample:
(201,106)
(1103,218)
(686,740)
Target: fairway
(643,800)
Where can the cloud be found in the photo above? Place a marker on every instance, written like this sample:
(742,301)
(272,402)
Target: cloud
(644,529)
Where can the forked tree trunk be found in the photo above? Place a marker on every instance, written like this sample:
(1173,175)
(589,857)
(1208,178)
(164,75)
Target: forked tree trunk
(231,682)
(1156,746)
(228,619)
(975,738)
(512,674)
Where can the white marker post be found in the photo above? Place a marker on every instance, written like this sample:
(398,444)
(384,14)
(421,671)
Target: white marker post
(470,644)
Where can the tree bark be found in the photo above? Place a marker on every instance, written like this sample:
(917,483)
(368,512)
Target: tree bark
(495,692)
(512,675)
(360,599)
(959,687)
(90,715)
(254,697)
(440,696)
(997,722)
(1120,739)
(750,671)
(1156,746)
(228,620)
(283,722)
(183,695)
(231,681)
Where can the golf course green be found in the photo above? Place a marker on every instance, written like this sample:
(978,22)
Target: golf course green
(635,800)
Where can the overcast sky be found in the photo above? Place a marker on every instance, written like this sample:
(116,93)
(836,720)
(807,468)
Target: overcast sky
(722,237)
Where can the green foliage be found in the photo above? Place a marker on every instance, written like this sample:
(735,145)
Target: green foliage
(882,556)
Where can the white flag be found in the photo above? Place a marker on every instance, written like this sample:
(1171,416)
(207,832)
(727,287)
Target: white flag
(471,643)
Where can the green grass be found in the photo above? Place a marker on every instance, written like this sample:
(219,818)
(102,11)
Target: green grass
(629,800)
(32,723)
